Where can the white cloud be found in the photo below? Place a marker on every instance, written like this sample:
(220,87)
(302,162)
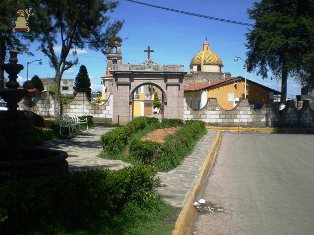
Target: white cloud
(79,51)
(69,71)
(96,87)
(57,49)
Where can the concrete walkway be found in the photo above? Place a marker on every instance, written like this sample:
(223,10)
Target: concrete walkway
(179,181)
(84,148)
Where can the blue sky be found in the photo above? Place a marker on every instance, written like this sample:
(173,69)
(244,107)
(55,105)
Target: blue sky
(175,39)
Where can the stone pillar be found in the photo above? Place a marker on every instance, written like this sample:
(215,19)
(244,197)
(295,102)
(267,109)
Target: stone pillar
(121,106)
(175,98)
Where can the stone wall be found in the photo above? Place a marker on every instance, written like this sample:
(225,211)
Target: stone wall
(243,115)
(80,106)
(44,107)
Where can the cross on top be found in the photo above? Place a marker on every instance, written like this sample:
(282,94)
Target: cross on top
(148,50)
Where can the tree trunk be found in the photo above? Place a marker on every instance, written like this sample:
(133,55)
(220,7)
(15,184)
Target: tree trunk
(57,95)
(284,78)
(2,58)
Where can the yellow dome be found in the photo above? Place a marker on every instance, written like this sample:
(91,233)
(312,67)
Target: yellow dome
(206,56)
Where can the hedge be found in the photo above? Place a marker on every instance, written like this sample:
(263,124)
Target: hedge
(170,154)
(115,140)
(72,201)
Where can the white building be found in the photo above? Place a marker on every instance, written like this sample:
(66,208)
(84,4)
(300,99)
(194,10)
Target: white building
(66,85)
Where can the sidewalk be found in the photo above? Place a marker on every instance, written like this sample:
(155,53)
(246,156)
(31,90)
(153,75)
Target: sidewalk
(177,183)
(83,150)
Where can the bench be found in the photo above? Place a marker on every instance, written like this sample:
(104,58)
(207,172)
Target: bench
(70,124)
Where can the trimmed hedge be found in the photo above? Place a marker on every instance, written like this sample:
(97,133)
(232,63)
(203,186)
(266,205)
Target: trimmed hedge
(29,137)
(170,154)
(73,201)
(115,140)
(146,152)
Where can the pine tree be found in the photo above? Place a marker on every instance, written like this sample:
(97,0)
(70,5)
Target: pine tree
(281,39)
(82,82)
(37,83)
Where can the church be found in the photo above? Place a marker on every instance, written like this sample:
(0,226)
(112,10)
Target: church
(134,87)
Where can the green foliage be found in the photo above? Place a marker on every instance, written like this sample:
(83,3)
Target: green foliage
(156,102)
(90,119)
(37,83)
(116,140)
(29,137)
(73,201)
(176,147)
(65,99)
(82,82)
(171,122)
(147,152)
(282,39)
(72,24)
(52,89)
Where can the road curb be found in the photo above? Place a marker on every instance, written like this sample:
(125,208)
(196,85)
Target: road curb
(263,129)
(185,220)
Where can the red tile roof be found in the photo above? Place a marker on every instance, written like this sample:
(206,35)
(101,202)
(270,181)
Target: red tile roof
(210,84)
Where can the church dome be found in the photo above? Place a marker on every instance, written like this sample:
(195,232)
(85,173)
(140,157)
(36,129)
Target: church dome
(206,57)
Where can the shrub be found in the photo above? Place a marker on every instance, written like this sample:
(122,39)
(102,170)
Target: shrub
(115,140)
(144,151)
(72,201)
(90,119)
(180,144)
(176,147)
(171,123)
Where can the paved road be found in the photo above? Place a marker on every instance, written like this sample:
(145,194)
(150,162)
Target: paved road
(264,182)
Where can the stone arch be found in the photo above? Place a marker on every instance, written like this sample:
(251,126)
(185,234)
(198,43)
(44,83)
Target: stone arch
(148,83)
(126,82)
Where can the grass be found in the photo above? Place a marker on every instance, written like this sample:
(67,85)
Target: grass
(156,219)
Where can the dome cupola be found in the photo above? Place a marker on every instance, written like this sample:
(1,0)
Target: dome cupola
(206,60)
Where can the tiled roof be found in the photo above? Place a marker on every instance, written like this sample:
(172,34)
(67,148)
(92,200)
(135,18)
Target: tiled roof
(219,82)
(204,85)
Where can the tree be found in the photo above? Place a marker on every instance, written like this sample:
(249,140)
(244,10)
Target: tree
(276,41)
(82,82)
(72,24)
(8,39)
(156,102)
(37,83)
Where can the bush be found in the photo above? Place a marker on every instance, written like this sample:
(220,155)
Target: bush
(171,123)
(72,201)
(115,140)
(176,147)
(90,119)
(145,151)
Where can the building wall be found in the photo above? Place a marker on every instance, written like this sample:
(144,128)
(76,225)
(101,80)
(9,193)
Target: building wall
(228,95)
(211,68)
(78,107)
(242,115)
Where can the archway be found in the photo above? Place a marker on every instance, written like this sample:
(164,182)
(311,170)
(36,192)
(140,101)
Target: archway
(126,82)
(148,99)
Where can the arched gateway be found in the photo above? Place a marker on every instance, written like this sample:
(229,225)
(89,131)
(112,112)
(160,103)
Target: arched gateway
(124,80)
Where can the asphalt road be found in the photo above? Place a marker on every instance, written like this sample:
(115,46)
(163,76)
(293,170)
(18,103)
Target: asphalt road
(265,184)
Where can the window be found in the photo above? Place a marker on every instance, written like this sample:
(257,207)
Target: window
(198,104)
(65,88)
(230,96)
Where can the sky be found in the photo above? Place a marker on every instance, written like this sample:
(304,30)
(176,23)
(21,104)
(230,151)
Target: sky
(175,39)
